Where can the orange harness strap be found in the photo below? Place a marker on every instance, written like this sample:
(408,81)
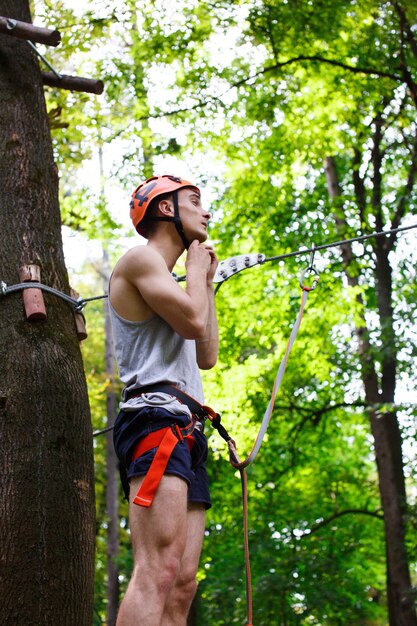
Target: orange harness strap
(165,440)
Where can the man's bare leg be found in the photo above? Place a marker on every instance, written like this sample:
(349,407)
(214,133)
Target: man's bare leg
(181,596)
(158,536)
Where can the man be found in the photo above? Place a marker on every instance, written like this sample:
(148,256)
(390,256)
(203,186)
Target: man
(163,335)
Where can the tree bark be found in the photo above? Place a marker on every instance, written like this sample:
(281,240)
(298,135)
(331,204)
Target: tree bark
(47,485)
(384,425)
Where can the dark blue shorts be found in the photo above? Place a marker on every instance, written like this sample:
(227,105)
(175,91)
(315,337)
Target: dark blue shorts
(132,426)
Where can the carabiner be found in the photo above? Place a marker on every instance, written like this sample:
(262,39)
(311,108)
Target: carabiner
(309,270)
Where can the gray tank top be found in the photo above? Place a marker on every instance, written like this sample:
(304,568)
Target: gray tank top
(152,352)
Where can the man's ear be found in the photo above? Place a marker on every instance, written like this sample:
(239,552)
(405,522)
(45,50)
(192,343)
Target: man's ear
(166,207)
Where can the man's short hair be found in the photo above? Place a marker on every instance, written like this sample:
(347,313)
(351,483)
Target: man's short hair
(152,211)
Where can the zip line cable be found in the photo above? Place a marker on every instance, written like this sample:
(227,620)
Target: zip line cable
(226,268)
(381,233)
(250,260)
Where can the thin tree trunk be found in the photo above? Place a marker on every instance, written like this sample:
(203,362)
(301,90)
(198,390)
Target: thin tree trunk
(46,461)
(112,482)
(112,474)
(384,425)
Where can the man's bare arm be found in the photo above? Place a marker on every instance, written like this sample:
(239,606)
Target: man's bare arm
(186,311)
(207,347)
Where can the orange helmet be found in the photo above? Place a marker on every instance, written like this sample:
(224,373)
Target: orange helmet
(150,189)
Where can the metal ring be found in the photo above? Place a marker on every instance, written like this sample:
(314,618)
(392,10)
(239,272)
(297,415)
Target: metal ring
(309,270)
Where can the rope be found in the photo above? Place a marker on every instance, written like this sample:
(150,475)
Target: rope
(96,433)
(78,305)
(249,603)
(235,461)
(242,465)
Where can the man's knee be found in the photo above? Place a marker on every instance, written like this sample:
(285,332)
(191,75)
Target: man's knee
(158,575)
(185,588)
(189,589)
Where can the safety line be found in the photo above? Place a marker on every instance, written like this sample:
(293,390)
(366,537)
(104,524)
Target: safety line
(234,460)
(242,465)
(249,602)
(81,302)
(6,289)
(103,431)
(325,246)
(78,305)
(85,300)
(287,255)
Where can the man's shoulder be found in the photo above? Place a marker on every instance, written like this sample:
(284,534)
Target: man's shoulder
(141,252)
(139,258)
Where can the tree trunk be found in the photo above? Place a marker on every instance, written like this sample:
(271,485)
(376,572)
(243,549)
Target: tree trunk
(47,480)
(384,425)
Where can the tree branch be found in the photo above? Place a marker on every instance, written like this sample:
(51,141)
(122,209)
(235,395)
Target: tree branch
(406,27)
(200,105)
(371,71)
(401,207)
(329,520)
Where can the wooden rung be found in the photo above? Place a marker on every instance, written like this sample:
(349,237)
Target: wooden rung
(73,83)
(32,298)
(80,324)
(24,30)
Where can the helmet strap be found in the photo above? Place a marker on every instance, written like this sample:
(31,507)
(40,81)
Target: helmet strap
(177,221)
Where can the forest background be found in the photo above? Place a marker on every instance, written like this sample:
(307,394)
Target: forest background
(298,119)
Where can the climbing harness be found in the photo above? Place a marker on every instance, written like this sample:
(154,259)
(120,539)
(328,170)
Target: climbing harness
(165,439)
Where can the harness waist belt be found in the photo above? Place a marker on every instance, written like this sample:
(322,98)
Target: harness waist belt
(195,407)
